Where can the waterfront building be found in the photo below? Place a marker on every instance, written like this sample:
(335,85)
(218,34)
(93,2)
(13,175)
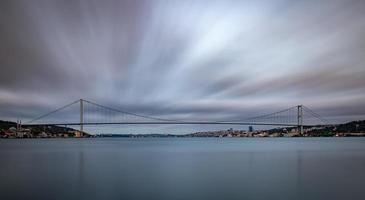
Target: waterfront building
(250,129)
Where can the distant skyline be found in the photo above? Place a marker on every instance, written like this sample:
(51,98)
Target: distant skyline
(184,59)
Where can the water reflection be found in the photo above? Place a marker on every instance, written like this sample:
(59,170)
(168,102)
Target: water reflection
(81,174)
(182,169)
(299,174)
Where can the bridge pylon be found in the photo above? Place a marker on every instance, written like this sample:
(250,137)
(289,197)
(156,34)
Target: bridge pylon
(300,119)
(81,117)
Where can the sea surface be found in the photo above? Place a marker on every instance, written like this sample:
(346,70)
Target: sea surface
(183,168)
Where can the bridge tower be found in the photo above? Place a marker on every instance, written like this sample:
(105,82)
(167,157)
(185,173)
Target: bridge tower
(300,119)
(81,117)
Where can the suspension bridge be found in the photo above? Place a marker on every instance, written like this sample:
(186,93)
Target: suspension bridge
(91,113)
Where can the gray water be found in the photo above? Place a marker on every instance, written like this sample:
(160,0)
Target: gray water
(183,168)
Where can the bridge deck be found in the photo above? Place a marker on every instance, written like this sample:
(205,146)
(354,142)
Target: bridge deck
(162,123)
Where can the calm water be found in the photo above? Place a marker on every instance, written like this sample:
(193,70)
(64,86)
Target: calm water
(183,168)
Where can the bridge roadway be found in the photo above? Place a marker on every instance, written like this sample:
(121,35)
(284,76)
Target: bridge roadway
(162,123)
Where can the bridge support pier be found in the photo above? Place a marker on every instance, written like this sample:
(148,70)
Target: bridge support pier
(300,119)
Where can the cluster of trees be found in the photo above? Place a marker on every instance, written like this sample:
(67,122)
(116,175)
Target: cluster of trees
(5,125)
(352,127)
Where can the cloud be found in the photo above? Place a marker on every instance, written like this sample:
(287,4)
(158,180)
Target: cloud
(183,58)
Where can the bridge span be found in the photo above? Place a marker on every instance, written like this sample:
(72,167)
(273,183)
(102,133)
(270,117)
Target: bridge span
(90,113)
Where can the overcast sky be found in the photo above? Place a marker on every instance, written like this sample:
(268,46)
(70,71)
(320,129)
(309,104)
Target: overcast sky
(198,59)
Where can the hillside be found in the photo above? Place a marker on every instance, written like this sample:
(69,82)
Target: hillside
(4,125)
(35,131)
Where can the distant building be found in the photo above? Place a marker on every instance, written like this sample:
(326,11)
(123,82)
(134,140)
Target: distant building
(43,135)
(20,134)
(74,133)
(250,129)
(77,134)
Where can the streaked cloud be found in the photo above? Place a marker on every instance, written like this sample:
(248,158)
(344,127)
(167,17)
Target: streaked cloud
(183,58)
